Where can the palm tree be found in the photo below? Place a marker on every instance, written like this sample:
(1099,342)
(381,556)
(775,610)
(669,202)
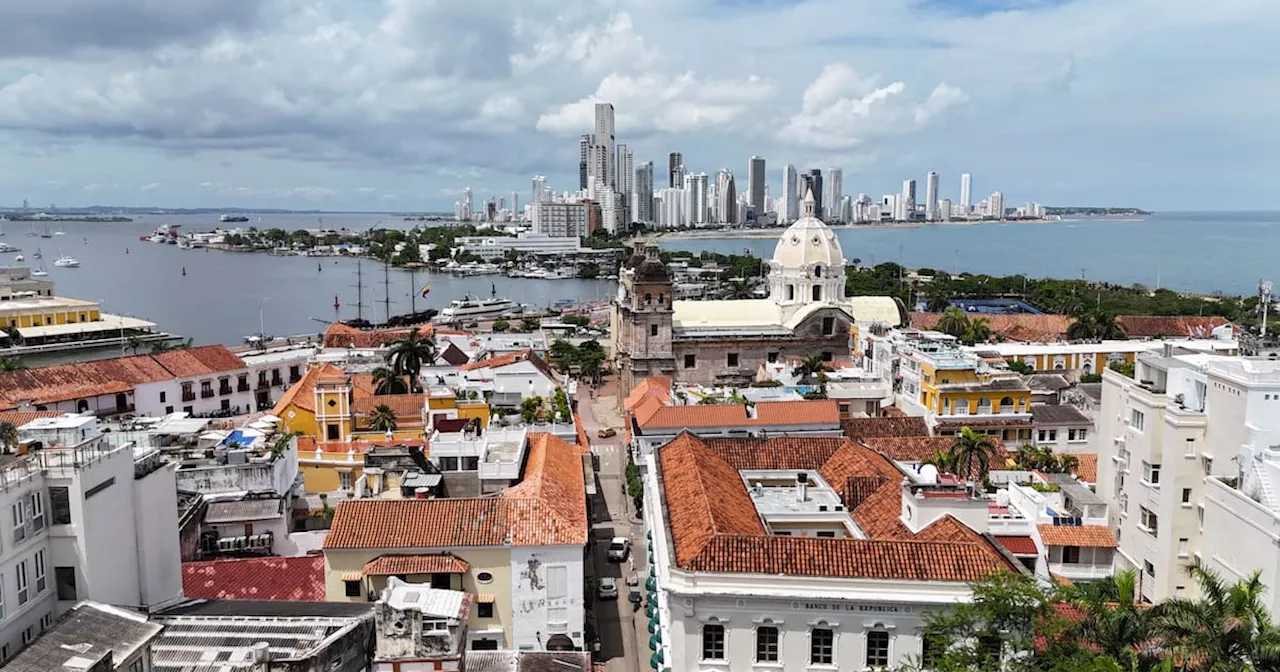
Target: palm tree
(385,381)
(1112,620)
(15,336)
(382,419)
(953,322)
(1227,629)
(808,367)
(282,443)
(1083,328)
(11,364)
(944,462)
(530,324)
(979,331)
(1107,327)
(134,343)
(8,436)
(937,303)
(737,290)
(407,356)
(973,453)
(562,354)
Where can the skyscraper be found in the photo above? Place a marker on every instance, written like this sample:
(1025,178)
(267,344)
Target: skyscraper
(695,194)
(604,143)
(626,177)
(815,183)
(727,195)
(675,165)
(804,185)
(586,149)
(755,184)
(966,191)
(835,189)
(907,200)
(515,204)
(931,196)
(790,207)
(539,186)
(642,194)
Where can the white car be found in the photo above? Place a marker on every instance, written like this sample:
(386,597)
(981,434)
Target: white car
(619,549)
(608,588)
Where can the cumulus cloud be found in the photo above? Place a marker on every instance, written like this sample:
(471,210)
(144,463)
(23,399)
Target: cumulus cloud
(652,102)
(842,109)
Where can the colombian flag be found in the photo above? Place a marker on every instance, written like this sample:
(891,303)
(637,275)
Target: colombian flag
(426,289)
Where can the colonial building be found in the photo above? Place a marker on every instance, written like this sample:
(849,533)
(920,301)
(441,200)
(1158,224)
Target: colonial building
(718,342)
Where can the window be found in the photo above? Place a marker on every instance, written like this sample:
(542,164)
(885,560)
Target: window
(1183,546)
(817,296)
(1149,568)
(690,361)
(822,646)
(332,432)
(23,585)
(162,395)
(877,648)
(1137,420)
(485,610)
(41,581)
(1070,555)
(791,292)
(1150,473)
(344,480)
(1190,449)
(817,271)
(1076,434)
(448,464)
(60,505)
(136,666)
(99,487)
(772,357)
(557,582)
(826,533)
(352,588)
(484,577)
(828,326)
(713,641)
(653,330)
(1048,435)
(731,359)
(35,510)
(19,523)
(932,647)
(470,463)
(766,644)
(1148,521)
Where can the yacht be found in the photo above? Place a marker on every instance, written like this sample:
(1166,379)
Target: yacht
(165,233)
(65,261)
(59,232)
(461,309)
(6,247)
(39,271)
(19,258)
(233,218)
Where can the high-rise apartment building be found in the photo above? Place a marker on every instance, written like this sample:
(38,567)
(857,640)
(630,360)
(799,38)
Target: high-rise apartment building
(642,193)
(539,187)
(560,219)
(626,179)
(966,192)
(675,170)
(727,195)
(789,208)
(931,196)
(604,142)
(907,200)
(835,188)
(586,151)
(755,185)
(695,195)
(996,207)
(815,184)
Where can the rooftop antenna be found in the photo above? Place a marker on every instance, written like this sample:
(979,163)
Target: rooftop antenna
(359,290)
(1264,297)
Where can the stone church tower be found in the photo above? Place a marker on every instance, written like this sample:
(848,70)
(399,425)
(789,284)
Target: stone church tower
(642,321)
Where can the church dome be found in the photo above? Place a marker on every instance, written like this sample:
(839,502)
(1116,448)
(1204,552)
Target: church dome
(808,243)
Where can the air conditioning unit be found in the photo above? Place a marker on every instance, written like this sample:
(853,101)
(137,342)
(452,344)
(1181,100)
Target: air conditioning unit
(226,544)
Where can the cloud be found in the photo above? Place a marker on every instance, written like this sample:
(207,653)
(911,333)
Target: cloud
(842,110)
(151,186)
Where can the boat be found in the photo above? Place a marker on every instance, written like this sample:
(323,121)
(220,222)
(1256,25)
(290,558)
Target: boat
(46,233)
(59,232)
(165,233)
(6,247)
(19,258)
(233,218)
(461,309)
(39,271)
(65,261)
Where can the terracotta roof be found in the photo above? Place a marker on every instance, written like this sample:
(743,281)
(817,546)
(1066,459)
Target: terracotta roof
(389,565)
(302,393)
(308,445)
(651,414)
(658,387)
(200,361)
(547,508)
(20,418)
(700,415)
(1022,327)
(814,412)
(275,578)
(1087,470)
(867,428)
(511,358)
(81,380)
(339,335)
(1018,545)
(1097,536)
(1151,326)
(406,406)
(715,527)
(920,448)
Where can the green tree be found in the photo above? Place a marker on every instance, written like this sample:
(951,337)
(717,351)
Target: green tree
(282,443)
(11,364)
(529,409)
(8,436)
(979,331)
(15,336)
(1227,630)
(500,326)
(589,271)
(1112,622)
(738,290)
(387,381)
(944,462)
(953,322)
(408,355)
(530,324)
(1018,366)
(562,354)
(134,343)
(809,367)
(166,346)
(382,419)
(973,454)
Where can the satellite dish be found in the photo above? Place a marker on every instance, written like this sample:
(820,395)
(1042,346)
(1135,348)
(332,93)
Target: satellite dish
(928,474)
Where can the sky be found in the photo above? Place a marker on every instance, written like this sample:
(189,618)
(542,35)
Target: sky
(398,105)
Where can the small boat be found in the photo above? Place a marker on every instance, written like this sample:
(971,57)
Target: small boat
(38,254)
(184,271)
(64,261)
(46,233)
(39,271)
(59,232)
(19,258)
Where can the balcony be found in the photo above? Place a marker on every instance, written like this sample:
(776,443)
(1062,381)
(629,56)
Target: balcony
(242,386)
(1079,571)
(206,393)
(224,390)
(188,395)
(277,381)
(262,383)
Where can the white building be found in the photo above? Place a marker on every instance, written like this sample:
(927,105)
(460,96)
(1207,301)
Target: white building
(966,193)
(560,219)
(696,205)
(931,197)
(1167,436)
(789,206)
(492,247)
(507,379)
(642,194)
(84,520)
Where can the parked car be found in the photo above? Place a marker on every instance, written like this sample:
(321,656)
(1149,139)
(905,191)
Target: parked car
(619,549)
(633,590)
(606,433)
(608,588)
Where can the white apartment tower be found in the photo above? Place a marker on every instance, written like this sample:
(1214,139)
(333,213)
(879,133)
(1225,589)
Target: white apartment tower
(727,196)
(907,202)
(604,142)
(642,194)
(586,154)
(931,196)
(835,191)
(789,210)
(996,205)
(966,192)
(626,179)
(755,185)
(695,196)
(539,186)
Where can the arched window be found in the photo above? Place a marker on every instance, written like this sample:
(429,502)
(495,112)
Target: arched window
(82,406)
(817,292)
(1007,403)
(791,292)
(817,271)
(648,299)
(661,298)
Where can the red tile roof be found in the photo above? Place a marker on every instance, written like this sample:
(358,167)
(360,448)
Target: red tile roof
(307,445)
(302,393)
(651,414)
(20,418)
(1098,536)
(509,359)
(391,565)
(342,336)
(1018,545)
(715,527)
(815,412)
(547,508)
(1087,470)
(1021,327)
(294,579)
(1152,326)
(200,361)
(408,407)
(658,387)
(920,448)
(868,428)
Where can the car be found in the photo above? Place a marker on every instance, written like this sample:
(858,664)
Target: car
(606,433)
(619,549)
(633,590)
(608,588)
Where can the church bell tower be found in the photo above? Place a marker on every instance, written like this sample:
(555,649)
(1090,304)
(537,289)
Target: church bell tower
(642,320)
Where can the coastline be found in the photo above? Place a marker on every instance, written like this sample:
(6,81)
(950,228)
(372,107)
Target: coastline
(775,231)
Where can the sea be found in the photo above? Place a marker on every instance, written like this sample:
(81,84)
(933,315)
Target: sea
(225,296)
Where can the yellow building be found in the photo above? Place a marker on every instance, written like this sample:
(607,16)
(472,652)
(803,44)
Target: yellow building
(1095,357)
(959,389)
(443,403)
(43,311)
(520,554)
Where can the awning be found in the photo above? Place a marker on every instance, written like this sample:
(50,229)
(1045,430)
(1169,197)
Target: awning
(484,598)
(109,323)
(262,424)
(270,418)
(352,576)
(214,436)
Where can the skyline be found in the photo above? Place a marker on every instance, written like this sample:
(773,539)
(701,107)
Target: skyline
(336,105)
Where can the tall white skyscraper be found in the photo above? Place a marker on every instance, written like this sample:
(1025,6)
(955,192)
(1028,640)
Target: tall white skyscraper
(966,192)
(467,208)
(539,186)
(907,201)
(586,154)
(789,209)
(695,195)
(642,194)
(835,190)
(996,208)
(626,177)
(755,184)
(515,204)
(604,142)
(931,196)
(727,196)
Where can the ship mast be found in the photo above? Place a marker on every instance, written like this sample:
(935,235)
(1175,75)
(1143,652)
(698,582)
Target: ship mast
(359,290)
(386,285)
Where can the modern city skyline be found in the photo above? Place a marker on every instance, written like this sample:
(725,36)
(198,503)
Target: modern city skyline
(756,180)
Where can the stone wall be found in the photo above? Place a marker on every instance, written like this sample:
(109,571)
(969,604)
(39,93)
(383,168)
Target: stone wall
(711,358)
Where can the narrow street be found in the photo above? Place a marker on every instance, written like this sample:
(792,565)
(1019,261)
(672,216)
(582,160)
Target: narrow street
(619,624)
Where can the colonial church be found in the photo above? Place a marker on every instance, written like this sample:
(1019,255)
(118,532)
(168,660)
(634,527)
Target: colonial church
(724,342)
